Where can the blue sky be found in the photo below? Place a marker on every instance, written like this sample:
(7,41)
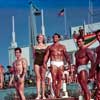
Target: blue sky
(76,13)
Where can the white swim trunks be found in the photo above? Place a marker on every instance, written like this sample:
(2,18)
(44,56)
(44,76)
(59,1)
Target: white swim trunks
(82,67)
(57,63)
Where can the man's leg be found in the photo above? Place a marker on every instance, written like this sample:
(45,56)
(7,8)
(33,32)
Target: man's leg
(20,90)
(59,81)
(98,86)
(54,78)
(82,78)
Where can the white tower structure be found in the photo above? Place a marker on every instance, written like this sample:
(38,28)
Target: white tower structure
(42,18)
(90,15)
(13,44)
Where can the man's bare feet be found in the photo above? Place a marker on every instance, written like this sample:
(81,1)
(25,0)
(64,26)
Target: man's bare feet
(38,97)
(43,97)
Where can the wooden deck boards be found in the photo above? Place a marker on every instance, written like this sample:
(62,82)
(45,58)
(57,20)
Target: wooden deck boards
(58,99)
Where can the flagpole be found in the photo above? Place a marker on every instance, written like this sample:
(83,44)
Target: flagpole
(33,24)
(32,37)
(33,33)
(84,28)
(42,18)
(90,15)
(65,21)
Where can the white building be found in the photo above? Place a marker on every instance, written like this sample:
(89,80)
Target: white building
(88,28)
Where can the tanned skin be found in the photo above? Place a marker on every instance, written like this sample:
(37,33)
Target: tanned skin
(97,65)
(20,69)
(83,56)
(56,52)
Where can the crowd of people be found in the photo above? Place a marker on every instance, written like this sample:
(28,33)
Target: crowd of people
(58,73)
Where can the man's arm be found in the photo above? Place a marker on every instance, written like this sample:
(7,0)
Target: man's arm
(76,63)
(91,57)
(96,56)
(46,57)
(67,56)
(11,79)
(24,65)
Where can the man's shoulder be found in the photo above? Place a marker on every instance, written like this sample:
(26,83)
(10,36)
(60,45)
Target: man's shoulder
(85,49)
(88,50)
(22,59)
(61,45)
(97,49)
(52,45)
(24,62)
(48,47)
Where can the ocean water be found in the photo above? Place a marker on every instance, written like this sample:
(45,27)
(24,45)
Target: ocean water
(5,93)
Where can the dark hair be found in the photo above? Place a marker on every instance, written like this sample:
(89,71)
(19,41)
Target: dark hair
(97,31)
(80,37)
(57,35)
(8,66)
(38,37)
(18,49)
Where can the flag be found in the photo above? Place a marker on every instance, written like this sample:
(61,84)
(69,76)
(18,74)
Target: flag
(61,13)
(89,39)
(37,12)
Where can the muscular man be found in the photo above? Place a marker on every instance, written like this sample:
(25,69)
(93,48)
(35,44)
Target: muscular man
(83,56)
(98,65)
(1,76)
(57,54)
(20,69)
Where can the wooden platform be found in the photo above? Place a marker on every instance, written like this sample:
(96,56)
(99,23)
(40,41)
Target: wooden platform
(58,99)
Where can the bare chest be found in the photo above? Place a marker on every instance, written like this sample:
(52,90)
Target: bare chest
(56,50)
(18,66)
(81,54)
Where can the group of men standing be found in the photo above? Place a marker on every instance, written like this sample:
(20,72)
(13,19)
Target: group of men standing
(57,54)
